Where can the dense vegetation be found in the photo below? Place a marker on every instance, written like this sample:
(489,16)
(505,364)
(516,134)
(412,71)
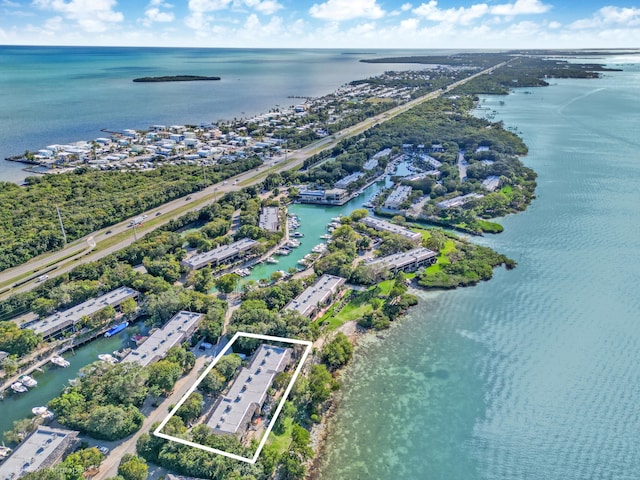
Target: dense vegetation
(105,401)
(90,200)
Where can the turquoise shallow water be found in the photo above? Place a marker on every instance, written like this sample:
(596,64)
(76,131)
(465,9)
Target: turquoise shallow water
(532,375)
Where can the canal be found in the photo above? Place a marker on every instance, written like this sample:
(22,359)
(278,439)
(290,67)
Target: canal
(313,224)
(52,379)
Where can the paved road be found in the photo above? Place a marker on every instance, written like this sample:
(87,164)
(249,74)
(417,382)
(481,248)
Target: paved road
(79,251)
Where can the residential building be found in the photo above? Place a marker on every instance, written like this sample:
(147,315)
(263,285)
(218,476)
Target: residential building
(60,321)
(458,201)
(399,195)
(491,182)
(406,261)
(334,196)
(42,448)
(314,297)
(220,255)
(370,164)
(348,180)
(175,332)
(384,226)
(269,219)
(232,412)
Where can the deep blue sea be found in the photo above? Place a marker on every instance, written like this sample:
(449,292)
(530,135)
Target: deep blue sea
(63,94)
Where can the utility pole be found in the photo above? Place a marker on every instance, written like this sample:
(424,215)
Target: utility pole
(204,175)
(135,232)
(64,235)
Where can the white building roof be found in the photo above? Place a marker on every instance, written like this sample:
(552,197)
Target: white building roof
(383,225)
(249,389)
(400,260)
(58,321)
(398,196)
(219,254)
(173,333)
(318,293)
(40,449)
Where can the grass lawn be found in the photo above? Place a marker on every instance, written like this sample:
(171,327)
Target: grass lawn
(449,247)
(384,287)
(282,442)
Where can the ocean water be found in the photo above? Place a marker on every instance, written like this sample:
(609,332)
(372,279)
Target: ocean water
(64,94)
(534,374)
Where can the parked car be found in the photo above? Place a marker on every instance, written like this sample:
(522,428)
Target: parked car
(103,450)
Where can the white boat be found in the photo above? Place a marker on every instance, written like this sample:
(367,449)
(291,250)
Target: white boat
(41,411)
(321,247)
(28,381)
(283,251)
(293,243)
(106,357)
(297,234)
(4,451)
(326,236)
(59,361)
(271,260)
(18,387)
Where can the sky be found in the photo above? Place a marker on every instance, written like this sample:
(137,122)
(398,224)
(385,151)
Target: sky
(323,23)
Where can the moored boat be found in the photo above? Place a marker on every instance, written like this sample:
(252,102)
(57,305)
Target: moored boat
(117,329)
(59,361)
(18,387)
(106,357)
(271,260)
(4,451)
(41,412)
(28,381)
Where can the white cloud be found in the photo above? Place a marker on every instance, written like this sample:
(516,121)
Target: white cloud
(338,10)
(610,16)
(202,6)
(553,25)
(92,16)
(155,15)
(406,7)
(520,7)
(266,7)
(466,15)
(461,15)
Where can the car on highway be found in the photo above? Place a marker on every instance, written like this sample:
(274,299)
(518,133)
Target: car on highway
(107,232)
(188,198)
(158,213)
(103,450)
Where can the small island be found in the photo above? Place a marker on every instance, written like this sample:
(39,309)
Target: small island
(175,78)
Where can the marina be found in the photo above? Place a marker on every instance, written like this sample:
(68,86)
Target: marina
(51,379)
(299,258)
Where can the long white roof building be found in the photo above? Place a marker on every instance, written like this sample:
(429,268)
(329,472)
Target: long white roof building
(383,225)
(173,333)
(249,390)
(316,295)
(220,254)
(59,321)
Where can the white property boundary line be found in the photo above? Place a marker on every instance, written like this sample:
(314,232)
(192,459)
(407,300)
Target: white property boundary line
(252,460)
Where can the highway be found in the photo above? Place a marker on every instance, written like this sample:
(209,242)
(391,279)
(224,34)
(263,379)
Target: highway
(116,237)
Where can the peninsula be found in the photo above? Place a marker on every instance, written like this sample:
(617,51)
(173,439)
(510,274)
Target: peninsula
(440,165)
(174,78)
